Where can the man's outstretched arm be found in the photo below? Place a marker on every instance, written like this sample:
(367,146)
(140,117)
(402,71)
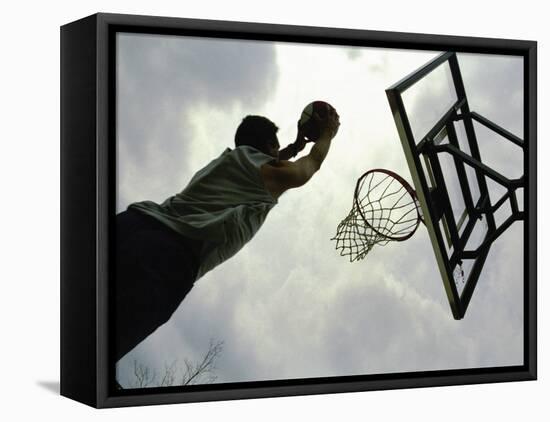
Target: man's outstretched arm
(293,149)
(283,175)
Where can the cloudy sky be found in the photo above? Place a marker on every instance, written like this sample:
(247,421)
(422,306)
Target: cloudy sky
(287,305)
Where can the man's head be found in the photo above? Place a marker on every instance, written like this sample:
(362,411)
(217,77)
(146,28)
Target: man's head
(260,133)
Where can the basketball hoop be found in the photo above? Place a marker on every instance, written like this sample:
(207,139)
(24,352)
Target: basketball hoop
(385,208)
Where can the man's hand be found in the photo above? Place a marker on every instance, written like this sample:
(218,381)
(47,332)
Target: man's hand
(330,125)
(301,140)
(328,129)
(294,148)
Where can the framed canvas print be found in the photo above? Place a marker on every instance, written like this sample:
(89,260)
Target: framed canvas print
(253,210)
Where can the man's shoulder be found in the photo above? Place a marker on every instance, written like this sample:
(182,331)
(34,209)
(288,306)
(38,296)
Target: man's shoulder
(274,168)
(279,176)
(279,164)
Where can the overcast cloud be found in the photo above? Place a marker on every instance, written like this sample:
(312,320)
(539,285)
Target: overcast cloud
(287,305)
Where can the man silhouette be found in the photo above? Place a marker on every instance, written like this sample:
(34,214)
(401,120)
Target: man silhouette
(162,249)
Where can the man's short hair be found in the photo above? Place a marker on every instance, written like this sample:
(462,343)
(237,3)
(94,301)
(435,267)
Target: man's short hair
(256,131)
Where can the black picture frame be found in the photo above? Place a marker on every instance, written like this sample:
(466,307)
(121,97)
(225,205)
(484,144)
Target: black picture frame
(87,198)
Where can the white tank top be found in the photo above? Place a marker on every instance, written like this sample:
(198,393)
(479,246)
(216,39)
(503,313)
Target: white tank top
(224,205)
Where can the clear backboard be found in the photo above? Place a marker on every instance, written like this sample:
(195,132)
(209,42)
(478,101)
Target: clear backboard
(437,132)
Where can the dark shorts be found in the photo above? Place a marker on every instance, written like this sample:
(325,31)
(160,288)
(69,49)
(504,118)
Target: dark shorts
(155,268)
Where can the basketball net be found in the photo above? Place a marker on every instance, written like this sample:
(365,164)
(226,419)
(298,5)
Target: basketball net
(385,208)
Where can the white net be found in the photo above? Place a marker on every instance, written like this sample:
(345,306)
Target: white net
(385,208)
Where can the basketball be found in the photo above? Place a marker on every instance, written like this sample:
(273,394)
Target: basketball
(308,124)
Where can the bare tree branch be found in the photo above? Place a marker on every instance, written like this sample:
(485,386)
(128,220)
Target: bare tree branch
(205,367)
(143,377)
(202,372)
(169,375)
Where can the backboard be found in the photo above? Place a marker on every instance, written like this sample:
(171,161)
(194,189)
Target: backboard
(437,132)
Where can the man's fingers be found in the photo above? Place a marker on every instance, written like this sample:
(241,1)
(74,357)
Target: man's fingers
(330,123)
